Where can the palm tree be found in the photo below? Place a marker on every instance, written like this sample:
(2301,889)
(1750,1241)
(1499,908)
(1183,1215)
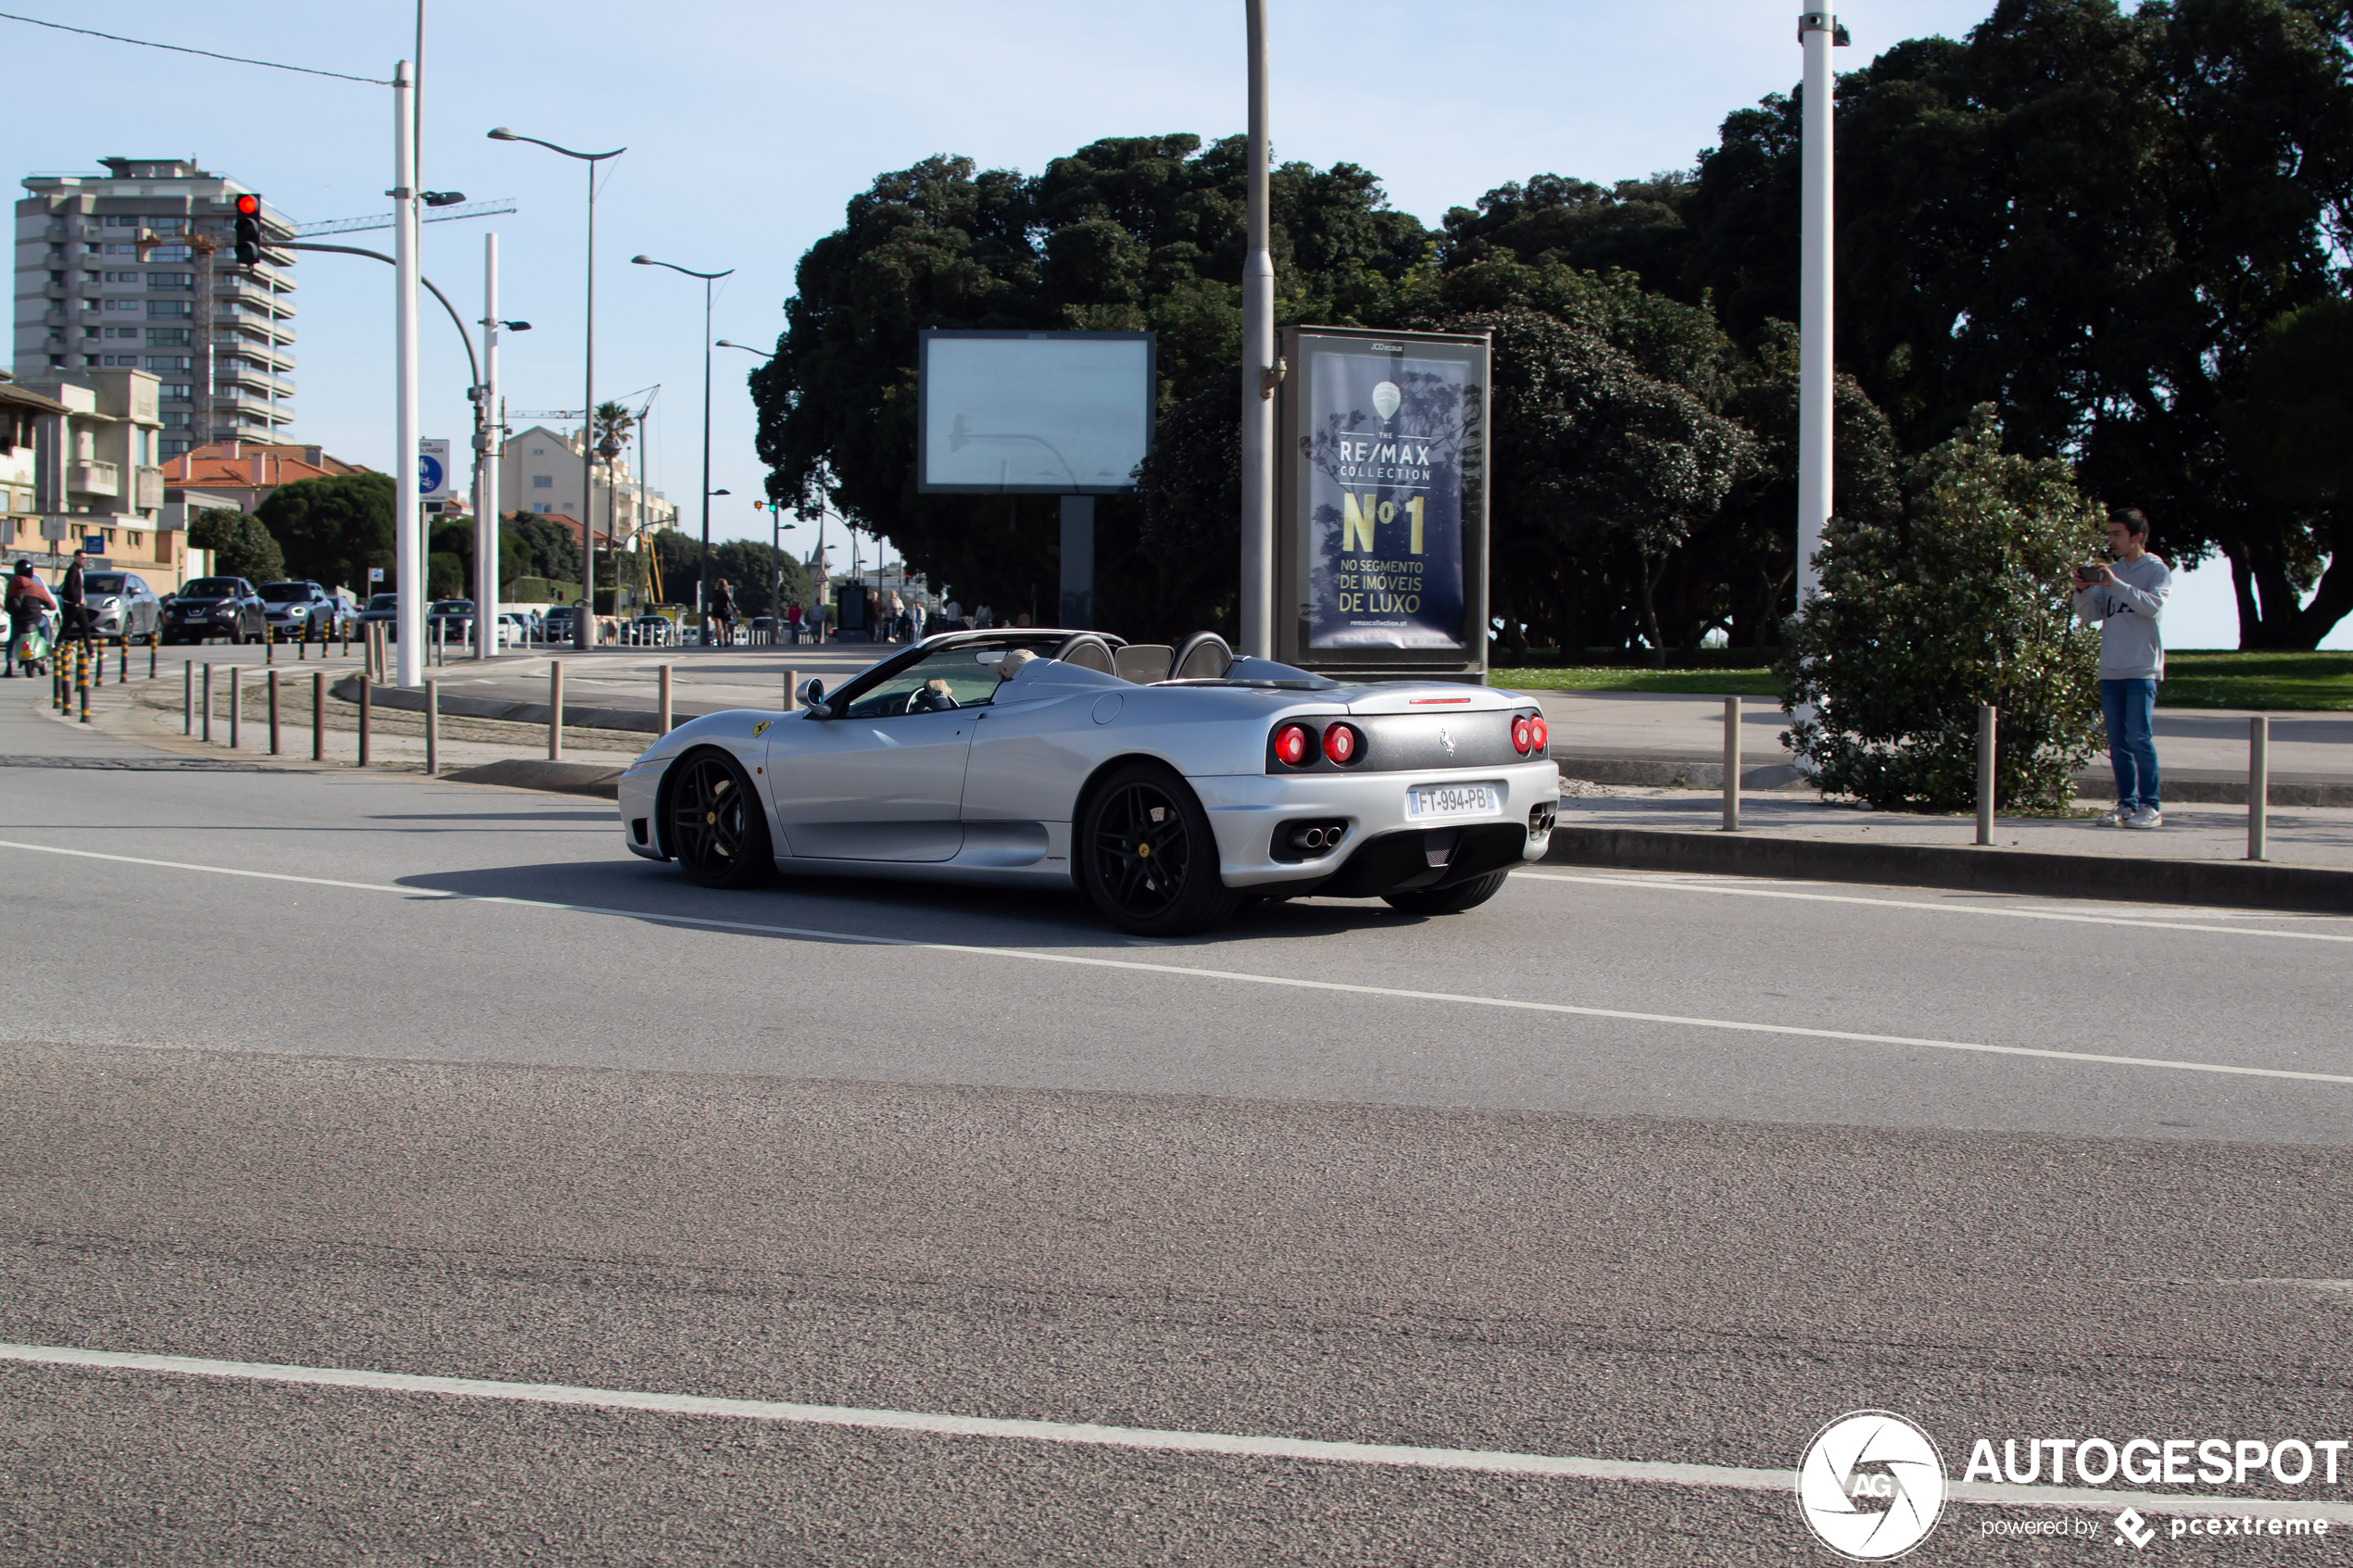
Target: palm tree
(612,424)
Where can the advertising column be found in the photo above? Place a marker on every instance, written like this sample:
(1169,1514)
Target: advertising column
(1383,549)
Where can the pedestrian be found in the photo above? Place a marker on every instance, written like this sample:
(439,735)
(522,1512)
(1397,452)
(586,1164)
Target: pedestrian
(792,620)
(916,622)
(2127,599)
(721,609)
(29,603)
(981,614)
(70,599)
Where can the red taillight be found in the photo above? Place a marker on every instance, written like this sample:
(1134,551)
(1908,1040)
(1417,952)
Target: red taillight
(1519,734)
(1290,745)
(1340,743)
(1539,738)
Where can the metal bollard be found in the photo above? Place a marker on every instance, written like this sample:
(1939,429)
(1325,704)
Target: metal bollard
(1732,764)
(1985,757)
(555,710)
(155,647)
(318,713)
(207,704)
(792,689)
(236,700)
(2258,788)
(661,717)
(122,665)
(273,714)
(432,727)
(302,645)
(268,648)
(364,710)
(82,670)
(187,697)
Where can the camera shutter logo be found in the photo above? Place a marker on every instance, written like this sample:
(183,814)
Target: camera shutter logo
(1872,1486)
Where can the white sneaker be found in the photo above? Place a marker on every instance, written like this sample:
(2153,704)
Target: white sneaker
(2113,817)
(2147,817)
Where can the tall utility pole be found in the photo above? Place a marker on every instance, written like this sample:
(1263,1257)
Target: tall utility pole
(1258,371)
(1818,32)
(408,554)
(487,455)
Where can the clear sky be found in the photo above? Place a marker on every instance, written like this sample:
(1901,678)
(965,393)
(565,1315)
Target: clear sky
(750,124)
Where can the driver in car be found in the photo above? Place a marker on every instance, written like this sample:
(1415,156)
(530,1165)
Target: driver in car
(935,698)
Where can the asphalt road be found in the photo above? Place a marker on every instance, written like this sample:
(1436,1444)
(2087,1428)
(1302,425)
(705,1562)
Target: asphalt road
(348,1071)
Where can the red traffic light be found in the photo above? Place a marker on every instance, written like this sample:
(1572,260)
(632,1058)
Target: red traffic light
(248,206)
(248,229)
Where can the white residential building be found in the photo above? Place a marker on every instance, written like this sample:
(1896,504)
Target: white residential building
(111,272)
(540,472)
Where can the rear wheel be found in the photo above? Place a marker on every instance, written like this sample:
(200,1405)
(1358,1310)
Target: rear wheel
(718,829)
(1448,900)
(1147,858)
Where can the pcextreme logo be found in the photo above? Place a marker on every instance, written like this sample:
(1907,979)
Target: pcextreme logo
(1872,1486)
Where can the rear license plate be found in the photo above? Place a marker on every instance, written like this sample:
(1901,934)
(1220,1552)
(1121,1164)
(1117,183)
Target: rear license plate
(1455,800)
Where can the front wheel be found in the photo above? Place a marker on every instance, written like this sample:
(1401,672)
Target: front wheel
(1147,858)
(718,829)
(1448,900)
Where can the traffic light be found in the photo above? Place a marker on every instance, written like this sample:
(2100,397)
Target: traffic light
(248,230)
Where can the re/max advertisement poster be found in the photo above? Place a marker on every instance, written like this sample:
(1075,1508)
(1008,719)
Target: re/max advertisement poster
(1384,537)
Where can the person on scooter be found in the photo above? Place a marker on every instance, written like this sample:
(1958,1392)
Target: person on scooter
(29,603)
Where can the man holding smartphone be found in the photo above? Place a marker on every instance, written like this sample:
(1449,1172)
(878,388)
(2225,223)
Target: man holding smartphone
(2127,599)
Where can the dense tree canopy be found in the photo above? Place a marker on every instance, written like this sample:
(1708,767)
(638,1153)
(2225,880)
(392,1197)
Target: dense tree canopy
(2125,230)
(241,545)
(334,530)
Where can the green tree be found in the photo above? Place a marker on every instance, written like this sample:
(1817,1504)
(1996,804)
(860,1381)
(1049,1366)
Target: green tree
(1126,233)
(2087,216)
(241,545)
(1635,226)
(1963,600)
(2291,431)
(541,548)
(334,530)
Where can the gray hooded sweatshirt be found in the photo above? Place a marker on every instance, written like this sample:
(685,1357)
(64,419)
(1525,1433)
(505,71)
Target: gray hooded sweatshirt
(2131,613)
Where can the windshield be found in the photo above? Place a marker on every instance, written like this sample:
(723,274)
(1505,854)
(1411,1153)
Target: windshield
(285,592)
(383,601)
(212,588)
(961,676)
(453,607)
(102,582)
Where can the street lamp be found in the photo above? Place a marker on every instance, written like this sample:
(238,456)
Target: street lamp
(708,280)
(584,623)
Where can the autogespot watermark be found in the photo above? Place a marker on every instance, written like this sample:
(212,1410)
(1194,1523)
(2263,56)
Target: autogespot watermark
(1872,1484)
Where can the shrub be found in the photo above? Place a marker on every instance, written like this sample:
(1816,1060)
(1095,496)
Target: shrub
(1963,600)
(241,546)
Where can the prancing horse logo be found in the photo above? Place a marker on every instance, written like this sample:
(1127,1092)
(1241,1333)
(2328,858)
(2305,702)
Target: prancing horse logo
(1446,739)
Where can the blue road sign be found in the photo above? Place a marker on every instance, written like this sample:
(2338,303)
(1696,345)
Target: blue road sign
(428,474)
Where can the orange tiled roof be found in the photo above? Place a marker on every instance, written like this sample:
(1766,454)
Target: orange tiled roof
(256,465)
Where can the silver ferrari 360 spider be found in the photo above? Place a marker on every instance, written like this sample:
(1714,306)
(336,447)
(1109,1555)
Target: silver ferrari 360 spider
(1169,784)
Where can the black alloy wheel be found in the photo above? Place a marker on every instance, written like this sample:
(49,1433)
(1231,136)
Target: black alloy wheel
(1148,858)
(718,829)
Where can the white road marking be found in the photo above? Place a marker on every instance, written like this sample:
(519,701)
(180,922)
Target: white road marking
(1094,1435)
(1244,977)
(1674,886)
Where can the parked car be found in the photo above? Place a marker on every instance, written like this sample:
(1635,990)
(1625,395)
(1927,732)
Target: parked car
(650,631)
(215,607)
(449,621)
(384,608)
(516,629)
(120,605)
(764,628)
(298,608)
(1168,785)
(557,625)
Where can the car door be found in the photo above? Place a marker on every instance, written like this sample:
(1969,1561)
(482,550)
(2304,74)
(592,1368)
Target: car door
(884,778)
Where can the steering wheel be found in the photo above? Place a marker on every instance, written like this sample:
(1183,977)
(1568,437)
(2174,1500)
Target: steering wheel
(924,699)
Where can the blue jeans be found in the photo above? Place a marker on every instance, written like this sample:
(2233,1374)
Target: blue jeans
(2130,708)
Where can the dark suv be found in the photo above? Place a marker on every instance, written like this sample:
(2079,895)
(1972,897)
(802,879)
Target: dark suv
(206,607)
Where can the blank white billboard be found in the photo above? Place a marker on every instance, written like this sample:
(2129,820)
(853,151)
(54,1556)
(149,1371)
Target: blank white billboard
(1052,413)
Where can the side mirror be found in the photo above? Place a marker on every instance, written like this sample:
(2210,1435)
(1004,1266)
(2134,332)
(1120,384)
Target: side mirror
(812,697)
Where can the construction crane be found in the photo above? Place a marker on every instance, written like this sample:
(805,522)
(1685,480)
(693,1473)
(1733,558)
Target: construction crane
(384,221)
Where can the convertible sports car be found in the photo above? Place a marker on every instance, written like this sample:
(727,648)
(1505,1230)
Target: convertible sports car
(1167,784)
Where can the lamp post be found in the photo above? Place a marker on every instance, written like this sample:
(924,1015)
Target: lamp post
(708,280)
(1259,371)
(583,623)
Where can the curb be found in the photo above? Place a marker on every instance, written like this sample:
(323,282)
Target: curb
(2186,786)
(563,778)
(2219,883)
